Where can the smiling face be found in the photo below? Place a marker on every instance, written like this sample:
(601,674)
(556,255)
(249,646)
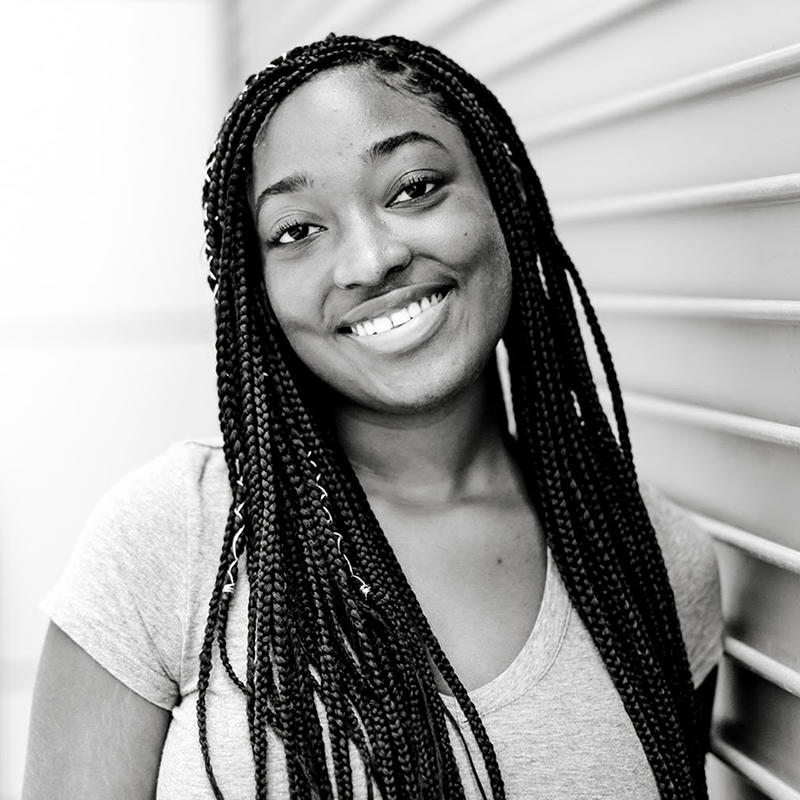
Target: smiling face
(383,259)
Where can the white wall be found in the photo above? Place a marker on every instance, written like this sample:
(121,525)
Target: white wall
(106,323)
(666,134)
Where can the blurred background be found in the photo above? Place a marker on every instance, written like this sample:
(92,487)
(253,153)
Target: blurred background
(667,136)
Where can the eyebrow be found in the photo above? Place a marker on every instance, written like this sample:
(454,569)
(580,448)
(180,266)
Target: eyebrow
(375,152)
(387,146)
(291,183)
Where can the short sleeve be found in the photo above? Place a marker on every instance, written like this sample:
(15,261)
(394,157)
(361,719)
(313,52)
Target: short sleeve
(694,575)
(122,597)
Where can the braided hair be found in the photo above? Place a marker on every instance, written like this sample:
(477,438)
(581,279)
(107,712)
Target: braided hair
(338,647)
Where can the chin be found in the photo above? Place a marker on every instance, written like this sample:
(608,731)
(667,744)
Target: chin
(416,397)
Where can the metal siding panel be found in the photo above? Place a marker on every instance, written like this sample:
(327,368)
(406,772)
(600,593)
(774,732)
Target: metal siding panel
(432,23)
(716,252)
(739,76)
(747,483)
(667,41)
(748,367)
(451,24)
(507,31)
(760,720)
(761,603)
(726,784)
(748,134)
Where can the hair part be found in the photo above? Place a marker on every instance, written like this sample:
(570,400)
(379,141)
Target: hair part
(310,542)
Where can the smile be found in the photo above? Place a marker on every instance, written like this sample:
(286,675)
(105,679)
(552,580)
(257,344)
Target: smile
(406,328)
(396,319)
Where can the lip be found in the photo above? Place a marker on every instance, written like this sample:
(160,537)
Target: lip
(386,303)
(410,335)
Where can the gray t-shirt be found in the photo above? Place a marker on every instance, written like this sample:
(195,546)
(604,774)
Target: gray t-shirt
(135,597)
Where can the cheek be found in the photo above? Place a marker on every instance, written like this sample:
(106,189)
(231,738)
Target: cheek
(475,240)
(296,302)
(491,272)
(291,298)
(486,264)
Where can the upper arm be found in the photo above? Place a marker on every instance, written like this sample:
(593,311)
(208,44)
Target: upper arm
(90,735)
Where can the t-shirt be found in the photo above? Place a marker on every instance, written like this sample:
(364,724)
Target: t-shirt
(135,597)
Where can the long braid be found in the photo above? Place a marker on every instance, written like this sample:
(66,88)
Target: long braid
(608,543)
(333,625)
(648,561)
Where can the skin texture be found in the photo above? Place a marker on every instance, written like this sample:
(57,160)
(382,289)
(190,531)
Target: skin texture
(91,737)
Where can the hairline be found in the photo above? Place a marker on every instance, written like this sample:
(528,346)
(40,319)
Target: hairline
(371,70)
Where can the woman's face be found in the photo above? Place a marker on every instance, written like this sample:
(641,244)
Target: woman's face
(383,258)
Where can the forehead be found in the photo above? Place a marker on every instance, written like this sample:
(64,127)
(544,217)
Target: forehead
(339,113)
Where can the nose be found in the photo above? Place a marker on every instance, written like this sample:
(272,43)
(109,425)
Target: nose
(371,250)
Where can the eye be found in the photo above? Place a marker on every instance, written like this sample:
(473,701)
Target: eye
(416,188)
(291,232)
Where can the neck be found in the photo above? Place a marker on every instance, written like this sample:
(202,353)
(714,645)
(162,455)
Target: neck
(453,453)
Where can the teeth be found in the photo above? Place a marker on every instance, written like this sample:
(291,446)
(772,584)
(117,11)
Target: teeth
(396,318)
(399,317)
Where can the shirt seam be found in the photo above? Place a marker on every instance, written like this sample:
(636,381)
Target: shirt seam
(547,667)
(139,677)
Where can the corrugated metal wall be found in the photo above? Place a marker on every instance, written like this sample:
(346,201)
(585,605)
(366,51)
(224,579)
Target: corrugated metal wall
(667,135)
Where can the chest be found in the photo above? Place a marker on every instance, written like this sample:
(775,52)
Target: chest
(555,720)
(478,572)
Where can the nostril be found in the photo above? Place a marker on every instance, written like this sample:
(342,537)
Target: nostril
(372,257)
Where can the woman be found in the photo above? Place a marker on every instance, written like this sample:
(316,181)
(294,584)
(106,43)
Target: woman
(409,601)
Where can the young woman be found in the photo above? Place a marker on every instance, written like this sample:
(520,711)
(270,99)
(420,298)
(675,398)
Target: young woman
(372,588)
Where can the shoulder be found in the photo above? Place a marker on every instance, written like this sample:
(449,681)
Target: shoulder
(155,513)
(169,479)
(694,576)
(149,504)
(156,497)
(123,594)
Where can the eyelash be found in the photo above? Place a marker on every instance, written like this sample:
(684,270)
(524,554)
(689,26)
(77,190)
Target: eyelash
(287,225)
(415,180)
